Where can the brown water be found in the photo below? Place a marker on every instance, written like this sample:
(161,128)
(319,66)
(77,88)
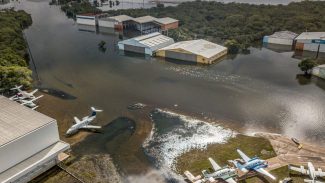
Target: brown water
(261,91)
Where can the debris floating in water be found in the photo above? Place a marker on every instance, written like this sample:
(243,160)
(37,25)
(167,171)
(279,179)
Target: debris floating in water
(136,106)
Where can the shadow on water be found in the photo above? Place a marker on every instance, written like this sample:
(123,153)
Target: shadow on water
(109,140)
(57,93)
(303,79)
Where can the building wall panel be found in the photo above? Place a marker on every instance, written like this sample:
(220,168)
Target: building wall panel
(136,49)
(311,47)
(26,146)
(106,23)
(280,41)
(86,21)
(181,56)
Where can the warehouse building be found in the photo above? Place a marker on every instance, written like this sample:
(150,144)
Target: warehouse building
(166,23)
(87,19)
(146,44)
(319,71)
(281,38)
(29,142)
(145,24)
(311,41)
(119,22)
(200,51)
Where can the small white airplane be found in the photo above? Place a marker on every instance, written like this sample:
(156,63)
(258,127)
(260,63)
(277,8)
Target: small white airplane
(22,94)
(30,103)
(252,164)
(192,178)
(84,123)
(311,171)
(226,173)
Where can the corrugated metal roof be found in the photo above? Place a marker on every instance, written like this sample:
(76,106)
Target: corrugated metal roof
(284,35)
(17,120)
(121,18)
(144,19)
(154,41)
(166,20)
(311,35)
(199,47)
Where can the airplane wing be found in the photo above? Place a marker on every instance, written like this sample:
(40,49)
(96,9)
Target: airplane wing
(191,177)
(299,169)
(244,156)
(36,98)
(264,172)
(76,120)
(33,92)
(320,173)
(214,164)
(91,127)
(230,180)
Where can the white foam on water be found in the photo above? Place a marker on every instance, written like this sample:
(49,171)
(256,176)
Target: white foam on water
(194,134)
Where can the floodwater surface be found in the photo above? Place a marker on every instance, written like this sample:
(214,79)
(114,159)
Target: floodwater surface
(260,91)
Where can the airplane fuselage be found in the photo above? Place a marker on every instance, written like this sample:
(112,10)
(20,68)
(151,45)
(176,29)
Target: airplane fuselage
(255,164)
(225,173)
(85,121)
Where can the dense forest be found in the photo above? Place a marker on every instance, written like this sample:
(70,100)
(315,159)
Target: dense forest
(13,55)
(243,23)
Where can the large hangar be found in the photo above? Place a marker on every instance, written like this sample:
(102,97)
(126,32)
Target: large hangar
(200,51)
(29,142)
(146,44)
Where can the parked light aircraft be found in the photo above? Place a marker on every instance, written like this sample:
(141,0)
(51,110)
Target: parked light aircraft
(192,178)
(311,171)
(252,164)
(29,103)
(22,94)
(84,123)
(226,173)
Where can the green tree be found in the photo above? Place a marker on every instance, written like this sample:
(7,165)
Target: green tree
(306,65)
(233,46)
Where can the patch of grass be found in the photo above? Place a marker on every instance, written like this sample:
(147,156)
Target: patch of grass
(197,160)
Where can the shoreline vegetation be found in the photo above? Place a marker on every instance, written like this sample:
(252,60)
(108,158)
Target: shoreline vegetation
(238,26)
(14,58)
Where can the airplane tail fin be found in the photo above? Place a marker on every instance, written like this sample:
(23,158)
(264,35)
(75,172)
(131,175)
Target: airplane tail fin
(94,111)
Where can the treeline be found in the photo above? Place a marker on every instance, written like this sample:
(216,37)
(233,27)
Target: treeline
(72,7)
(243,23)
(13,49)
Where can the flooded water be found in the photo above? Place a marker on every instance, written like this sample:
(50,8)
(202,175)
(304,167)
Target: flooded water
(260,91)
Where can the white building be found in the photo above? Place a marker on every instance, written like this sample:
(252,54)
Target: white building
(29,142)
(200,51)
(282,38)
(146,44)
(319,71)
(87,19)
(311,41)
(117,22)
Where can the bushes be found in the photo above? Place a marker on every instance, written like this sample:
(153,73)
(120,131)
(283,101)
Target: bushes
(244,23)
(13,66)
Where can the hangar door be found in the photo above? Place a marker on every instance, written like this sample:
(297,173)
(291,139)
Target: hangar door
(181,56)
(136,49)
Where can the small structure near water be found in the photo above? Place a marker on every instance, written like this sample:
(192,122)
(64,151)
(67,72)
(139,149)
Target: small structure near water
(119,22)
(319,71)
(311,41)
(146,44)
(199,51)
(282,38)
